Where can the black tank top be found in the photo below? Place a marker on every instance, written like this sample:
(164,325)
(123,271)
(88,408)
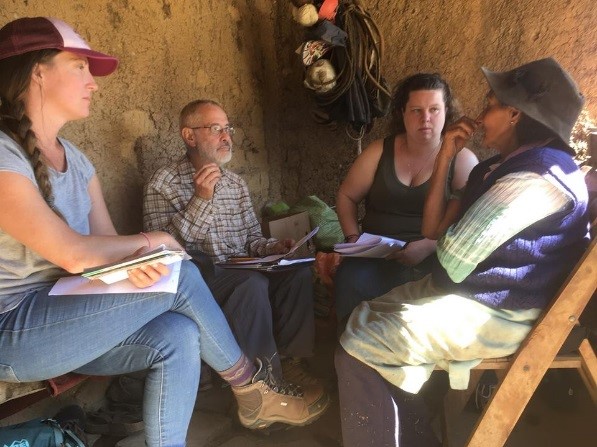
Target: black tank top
(392,208)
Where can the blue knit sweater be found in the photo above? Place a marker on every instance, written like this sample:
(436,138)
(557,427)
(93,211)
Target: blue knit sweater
(526,271)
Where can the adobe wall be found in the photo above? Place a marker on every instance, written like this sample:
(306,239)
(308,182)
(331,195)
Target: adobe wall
(241,53)
(171,52)
(454,38)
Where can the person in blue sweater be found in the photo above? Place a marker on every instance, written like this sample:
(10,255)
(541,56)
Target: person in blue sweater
(505,244)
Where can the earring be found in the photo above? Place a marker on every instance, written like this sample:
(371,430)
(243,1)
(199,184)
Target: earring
(511,122)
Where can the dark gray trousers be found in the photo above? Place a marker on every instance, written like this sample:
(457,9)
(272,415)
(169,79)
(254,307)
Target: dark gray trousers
(377,414)
(269,312)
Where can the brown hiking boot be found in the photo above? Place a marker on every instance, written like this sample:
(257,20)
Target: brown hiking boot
(295,370)
(266,401)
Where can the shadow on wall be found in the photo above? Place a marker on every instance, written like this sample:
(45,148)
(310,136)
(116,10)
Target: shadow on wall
(155,151)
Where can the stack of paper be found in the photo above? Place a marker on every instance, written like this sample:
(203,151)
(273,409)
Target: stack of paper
(77,285)
(370,246)
(259,264)
(117,271)
(272,262)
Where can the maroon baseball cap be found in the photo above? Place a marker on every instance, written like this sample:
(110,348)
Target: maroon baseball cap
(39,33)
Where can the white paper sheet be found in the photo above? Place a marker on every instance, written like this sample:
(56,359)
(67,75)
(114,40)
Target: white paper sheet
(370,246)
(78,285)
(284,262)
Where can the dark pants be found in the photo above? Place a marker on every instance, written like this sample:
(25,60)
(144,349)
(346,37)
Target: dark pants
(362,279)
(375,413)
(268,313)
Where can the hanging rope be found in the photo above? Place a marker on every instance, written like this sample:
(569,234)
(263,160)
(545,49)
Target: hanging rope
(358,138)
(347,83)
(360,93)
(365,43)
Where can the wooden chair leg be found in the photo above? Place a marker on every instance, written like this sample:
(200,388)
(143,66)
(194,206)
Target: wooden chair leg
(588,369)
(505,407)
(454,403)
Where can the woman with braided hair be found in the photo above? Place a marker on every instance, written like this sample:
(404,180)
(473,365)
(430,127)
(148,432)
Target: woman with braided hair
(54,222)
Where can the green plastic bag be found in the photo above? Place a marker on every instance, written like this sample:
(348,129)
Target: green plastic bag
(275,209)
(324,217)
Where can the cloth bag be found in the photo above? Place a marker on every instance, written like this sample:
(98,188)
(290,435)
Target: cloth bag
(38,433)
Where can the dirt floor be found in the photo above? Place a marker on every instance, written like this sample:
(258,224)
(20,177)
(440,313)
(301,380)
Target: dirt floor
(560,414)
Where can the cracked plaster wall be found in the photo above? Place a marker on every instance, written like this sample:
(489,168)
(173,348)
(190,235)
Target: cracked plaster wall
(241,53)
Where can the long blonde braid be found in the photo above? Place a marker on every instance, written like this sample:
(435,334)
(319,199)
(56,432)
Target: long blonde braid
(15,75)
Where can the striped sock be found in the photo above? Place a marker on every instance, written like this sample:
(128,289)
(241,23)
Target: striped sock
(241,373)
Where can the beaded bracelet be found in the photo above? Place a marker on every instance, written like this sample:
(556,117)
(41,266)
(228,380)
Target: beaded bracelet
(146,238)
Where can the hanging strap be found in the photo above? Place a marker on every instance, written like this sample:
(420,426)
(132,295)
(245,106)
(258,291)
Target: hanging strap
(362,54)
(365,43)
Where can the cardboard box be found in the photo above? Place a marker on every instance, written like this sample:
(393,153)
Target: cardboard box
(288,226)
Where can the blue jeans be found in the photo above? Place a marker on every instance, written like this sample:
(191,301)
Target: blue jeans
(168,334)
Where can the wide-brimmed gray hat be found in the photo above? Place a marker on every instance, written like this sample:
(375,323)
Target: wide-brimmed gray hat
(543,90)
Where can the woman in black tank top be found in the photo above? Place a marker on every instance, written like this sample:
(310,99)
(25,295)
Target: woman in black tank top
(391,176)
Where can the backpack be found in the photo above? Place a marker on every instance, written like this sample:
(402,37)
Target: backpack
(38,433)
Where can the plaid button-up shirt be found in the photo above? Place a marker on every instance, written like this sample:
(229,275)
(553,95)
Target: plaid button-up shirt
(221,227)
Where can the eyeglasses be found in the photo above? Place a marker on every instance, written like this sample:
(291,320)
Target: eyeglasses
(216,129)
